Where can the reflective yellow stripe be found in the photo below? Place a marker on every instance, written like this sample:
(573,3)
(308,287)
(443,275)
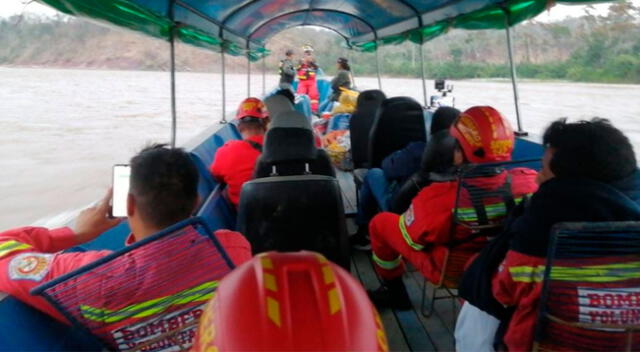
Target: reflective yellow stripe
(12,246)
(493,211)
(407,237)
(597,273)
(199,293)
(387,264)
(593,273)
(527,273)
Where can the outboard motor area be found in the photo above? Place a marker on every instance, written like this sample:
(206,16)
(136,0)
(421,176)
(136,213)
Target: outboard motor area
(444,98)
(291,213)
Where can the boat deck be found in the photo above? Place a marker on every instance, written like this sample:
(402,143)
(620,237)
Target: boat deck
(409,330)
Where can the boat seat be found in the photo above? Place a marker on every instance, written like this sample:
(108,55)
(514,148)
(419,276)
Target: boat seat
(591,283)
(360,125)
(291,213)
(291,151)
(277,104)
(399,121)
(436,166)
(207,149)
(131,306)
(289,119)
(217,211)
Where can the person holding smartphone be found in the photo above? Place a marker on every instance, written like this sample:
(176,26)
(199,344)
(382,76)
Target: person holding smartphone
(162,191)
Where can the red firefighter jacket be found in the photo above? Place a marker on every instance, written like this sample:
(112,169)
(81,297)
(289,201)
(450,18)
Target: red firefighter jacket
(426,225)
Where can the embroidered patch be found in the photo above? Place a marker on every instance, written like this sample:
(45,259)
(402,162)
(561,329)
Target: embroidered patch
(29,266)
(408,216)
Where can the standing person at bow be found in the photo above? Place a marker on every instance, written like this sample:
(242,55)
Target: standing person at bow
(343,78)
(287,71)
(307,71)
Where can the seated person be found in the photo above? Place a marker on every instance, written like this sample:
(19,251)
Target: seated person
(381,185)
(422,233)
(589,173)
(163,191)
(234,162)
(290,302)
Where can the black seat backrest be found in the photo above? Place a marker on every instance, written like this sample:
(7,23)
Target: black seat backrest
(291,213)
(291,151)
(436,166)
(399,121)
(360,125)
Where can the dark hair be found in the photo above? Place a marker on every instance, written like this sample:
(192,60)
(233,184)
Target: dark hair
(164,183)
(252,123)
(287,93)
(589,149)
(443,118)
(289,52)
(344,63)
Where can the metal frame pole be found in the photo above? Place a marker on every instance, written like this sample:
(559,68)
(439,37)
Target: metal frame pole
(224,89)
(378,66)
(248,76)
(424,83)
(514,83)
(264,75)
(173,87)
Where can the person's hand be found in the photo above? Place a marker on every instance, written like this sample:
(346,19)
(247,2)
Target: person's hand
(93,221)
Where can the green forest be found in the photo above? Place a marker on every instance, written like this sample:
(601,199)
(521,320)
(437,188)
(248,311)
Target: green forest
(590,48)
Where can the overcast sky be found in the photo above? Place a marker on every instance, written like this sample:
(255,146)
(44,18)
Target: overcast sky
(13,7)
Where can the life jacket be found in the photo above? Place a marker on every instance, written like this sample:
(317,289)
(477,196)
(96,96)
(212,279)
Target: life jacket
(307,71)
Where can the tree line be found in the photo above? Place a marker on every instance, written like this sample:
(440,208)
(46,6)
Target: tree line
(590,48)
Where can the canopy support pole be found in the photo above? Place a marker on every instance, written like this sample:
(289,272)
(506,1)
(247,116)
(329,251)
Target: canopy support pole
(248,77)
(264,76)
(514,83)
(224,89)
(172,46)
(424,83)
(378,66)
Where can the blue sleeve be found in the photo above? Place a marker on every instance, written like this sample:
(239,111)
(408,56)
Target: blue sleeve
(403,163)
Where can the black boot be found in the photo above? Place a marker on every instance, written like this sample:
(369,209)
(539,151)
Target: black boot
(391,294)
(360,240)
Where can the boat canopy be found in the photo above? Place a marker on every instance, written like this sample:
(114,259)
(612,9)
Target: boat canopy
(242,27)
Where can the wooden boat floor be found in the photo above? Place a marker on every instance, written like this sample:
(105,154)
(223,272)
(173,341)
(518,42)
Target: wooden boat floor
(348,188)
(409,330)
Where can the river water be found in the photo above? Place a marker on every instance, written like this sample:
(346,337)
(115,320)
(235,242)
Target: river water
(62,130)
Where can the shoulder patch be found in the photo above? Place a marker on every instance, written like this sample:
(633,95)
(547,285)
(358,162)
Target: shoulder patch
(409,217)
(30,266)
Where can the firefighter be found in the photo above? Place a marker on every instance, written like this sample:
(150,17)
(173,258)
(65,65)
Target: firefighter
(589,174)
(307,71)
(422,233)
(234,162)
(163,191)
(290,302)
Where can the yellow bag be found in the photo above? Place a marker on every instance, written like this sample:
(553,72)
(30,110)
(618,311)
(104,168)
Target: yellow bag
(347,102)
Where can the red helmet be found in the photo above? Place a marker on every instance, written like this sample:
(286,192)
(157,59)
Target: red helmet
(484,135)
(290,302)
(251,107)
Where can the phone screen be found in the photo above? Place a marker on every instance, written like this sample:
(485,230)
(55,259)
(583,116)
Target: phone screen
(121,175)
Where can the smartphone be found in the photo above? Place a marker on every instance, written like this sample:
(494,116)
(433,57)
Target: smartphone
(121,175)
